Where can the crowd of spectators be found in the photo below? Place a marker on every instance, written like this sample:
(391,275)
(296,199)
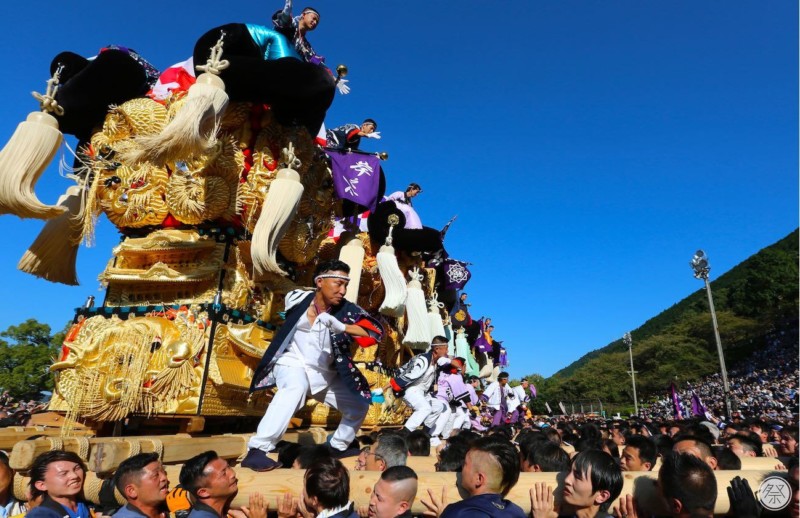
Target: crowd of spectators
(764,386)
(15,412)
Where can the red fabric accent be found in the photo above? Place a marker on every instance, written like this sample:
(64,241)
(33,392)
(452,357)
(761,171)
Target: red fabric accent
(170,222)
(369,326)
(395,386)
(353,133)
(365,341)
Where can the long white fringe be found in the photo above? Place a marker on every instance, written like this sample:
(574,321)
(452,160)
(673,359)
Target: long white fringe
(393,282)
(192,132)
(277,212)
(352,254)
(52,255)
(418,333)
(22,161)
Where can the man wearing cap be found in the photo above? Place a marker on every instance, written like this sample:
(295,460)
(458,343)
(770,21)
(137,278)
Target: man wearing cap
(415,384)
(496,397)
(310,356)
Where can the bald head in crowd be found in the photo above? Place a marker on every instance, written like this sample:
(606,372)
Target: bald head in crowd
(394,493)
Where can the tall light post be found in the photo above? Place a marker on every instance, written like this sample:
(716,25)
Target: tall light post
(701,268)
(629,342)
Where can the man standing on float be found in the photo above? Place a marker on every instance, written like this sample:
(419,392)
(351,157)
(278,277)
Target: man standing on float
(310,356)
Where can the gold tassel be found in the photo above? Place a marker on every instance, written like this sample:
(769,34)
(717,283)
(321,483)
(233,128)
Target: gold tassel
(52,255)
(418,333)
(22,161)
(394,303)
(353,255)
(277,212)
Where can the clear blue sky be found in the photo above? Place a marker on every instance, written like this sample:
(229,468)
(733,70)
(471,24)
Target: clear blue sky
(588,148)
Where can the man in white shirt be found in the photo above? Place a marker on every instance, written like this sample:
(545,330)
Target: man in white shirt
(521,399)
(415,383)
(310,356)
(497,397)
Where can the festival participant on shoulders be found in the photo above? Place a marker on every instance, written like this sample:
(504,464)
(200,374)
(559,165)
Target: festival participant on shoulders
(415,383)
(310,356)
(349,135)
(491,469)
(393,494)
(60,476)
(143,482)
(639,454)
(496,396)
(402,199)
(9,506)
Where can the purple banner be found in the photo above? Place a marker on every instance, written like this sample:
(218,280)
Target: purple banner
(456,274)
(356,177)
(698,409)
(677,407)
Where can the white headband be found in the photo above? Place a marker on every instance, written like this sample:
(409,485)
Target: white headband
(331,276)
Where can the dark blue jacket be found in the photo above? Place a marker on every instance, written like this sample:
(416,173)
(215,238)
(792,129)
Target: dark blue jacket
(482,506)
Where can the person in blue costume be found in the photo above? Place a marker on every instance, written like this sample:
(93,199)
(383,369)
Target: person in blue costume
(310,356)
(491,469)
(264,67)
(59,475)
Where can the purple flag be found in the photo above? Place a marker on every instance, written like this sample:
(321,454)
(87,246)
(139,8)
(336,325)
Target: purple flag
(698,409)
(456,274)
(356,177)
(677,407)
(533,390)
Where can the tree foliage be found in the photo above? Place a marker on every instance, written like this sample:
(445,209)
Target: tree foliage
(26,352)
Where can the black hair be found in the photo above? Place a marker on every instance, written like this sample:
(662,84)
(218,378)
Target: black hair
(726,459)
(704,447)
(398,473)
(663,444)
(4,458)
(506,455)
(451,458)
(419,443)
(502,375)
(646,447)
(308,455)
(689,480)
(548,456)
(328,481)
(192,472)
(439,340)
(605,472)
(748,442)
(131,468)
(371,121)
(40,464)
(332,265)
(288,452)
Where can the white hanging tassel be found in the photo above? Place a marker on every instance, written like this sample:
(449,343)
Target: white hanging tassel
(393,281)
(352,254)
(435,317)
(277,212)
(418,335)
(193,131)
(462,350)
(27,154)
(487,365)
(451,342)
(52,255)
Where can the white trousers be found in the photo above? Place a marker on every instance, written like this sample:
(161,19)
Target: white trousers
(426,409)
(293,389)
(444,424)
(461,421)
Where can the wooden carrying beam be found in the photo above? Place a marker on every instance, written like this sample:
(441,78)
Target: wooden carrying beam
(9,438)
(274,484)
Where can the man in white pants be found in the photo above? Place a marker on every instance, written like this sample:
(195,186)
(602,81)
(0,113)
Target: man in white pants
(310,356)
(415,384)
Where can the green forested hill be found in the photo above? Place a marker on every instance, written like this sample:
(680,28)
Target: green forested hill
(752,299)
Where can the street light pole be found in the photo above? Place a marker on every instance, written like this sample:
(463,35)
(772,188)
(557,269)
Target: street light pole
(629,342)
(701,269)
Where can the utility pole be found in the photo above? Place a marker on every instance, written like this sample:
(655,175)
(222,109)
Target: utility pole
(629,342)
